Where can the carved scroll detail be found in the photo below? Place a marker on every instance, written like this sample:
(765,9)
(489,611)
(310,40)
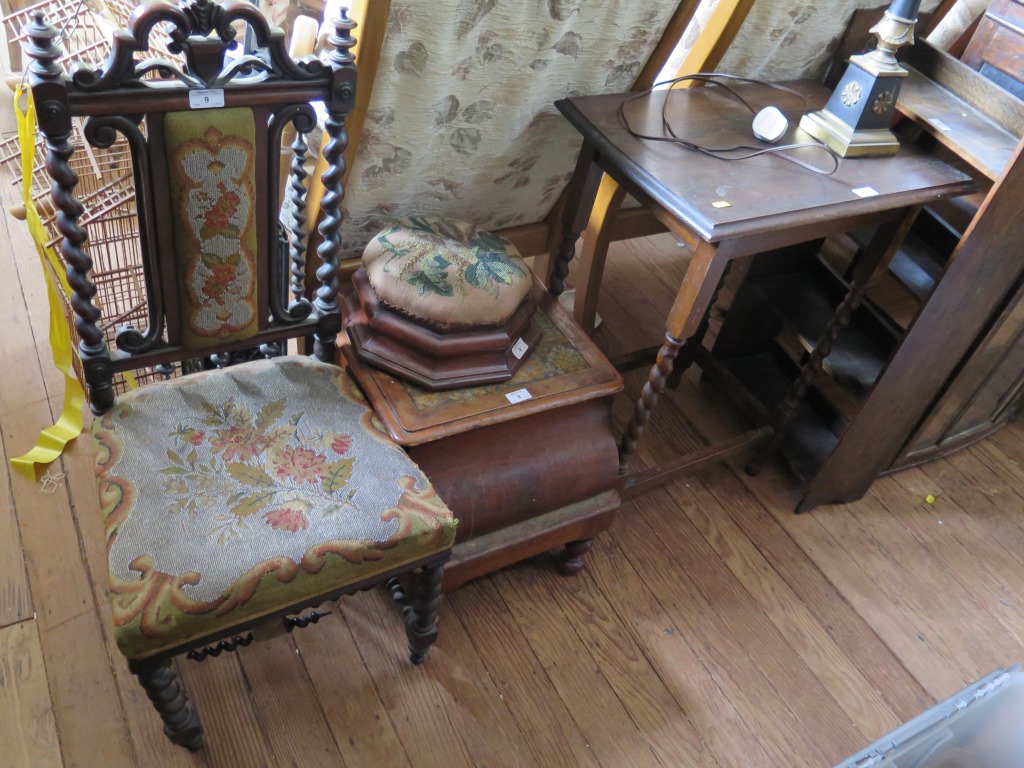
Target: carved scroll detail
(203,32)
(303,117)
(102,132)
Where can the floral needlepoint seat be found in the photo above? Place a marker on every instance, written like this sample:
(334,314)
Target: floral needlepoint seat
(227,496)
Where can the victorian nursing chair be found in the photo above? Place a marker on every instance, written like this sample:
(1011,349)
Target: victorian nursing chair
(233,499)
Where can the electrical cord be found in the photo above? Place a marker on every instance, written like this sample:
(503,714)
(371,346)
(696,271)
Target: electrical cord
(714,78)
(67,29)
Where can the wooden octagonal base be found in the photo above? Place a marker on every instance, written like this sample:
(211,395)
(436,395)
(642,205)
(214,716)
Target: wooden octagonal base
(435,358)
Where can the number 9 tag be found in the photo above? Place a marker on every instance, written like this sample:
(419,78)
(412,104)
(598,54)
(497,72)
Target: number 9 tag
(206,98)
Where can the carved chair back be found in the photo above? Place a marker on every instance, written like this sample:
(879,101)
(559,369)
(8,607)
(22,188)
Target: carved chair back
(204,140)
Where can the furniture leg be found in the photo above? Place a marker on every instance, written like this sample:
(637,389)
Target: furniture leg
(655,385)
(421,615)
(570,562)
(579,198)
(689,352)
(596,239)
(181,723)
(786,410)
(698,289)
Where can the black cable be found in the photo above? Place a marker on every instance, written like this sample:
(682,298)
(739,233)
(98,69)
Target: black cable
(715,78)
(65,33)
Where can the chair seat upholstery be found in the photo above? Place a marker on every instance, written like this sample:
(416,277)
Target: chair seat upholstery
(233,494)
(446,272)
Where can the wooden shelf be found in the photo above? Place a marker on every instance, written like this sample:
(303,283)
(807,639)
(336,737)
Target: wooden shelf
(917,266)
(815,429)
(806,301)
(980,122)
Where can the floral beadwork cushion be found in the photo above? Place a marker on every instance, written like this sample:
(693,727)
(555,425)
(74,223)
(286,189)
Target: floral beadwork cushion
(461,121)
(211,168)
(446,272)
(231,494)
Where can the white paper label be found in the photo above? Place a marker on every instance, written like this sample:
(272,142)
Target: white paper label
(939,124)
(865,192)
(519,396)
(520,348)
(206,98)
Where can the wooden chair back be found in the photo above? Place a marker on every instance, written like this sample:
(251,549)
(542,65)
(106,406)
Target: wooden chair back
(204,141)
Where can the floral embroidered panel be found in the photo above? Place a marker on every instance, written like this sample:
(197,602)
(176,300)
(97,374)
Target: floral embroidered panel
(211,165)
(461,122)
(447,272)
(228,495)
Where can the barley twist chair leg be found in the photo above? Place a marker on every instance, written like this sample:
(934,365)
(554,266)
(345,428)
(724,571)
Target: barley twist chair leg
(421,614)
(181,723)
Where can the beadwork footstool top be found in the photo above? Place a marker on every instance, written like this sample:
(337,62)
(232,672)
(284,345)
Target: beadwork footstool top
(447,273)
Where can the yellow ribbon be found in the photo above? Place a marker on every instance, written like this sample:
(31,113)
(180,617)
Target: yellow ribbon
(52,440)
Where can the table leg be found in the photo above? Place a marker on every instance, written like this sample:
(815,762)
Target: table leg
(595,250)
(786,410)
(579,200)
(689,352)
(696,292)
(655,385)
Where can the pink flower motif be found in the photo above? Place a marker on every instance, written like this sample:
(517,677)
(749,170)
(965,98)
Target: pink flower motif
(341,444)
(196,438)
(241,443)
(300,464)
(291,519)
(222,276)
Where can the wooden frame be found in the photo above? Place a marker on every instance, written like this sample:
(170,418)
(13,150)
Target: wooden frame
(714,40)
(104,95)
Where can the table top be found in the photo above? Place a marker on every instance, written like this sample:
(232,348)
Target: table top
(765,193)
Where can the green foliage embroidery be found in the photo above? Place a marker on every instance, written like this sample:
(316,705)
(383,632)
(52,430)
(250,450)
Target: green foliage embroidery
(250,505)
(338,476)
(495,267)
(270,413)
(427,263)
(246,474)
(432,277)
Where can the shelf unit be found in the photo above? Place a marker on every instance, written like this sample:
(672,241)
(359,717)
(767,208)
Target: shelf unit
(933,359)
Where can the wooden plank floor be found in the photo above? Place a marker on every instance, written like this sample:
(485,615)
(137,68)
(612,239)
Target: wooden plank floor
(711,627)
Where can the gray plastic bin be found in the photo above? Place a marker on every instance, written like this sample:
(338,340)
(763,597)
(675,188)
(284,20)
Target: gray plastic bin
(982,726)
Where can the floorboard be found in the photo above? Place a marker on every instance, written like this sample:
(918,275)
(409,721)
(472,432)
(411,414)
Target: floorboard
(28,732)
(551,733)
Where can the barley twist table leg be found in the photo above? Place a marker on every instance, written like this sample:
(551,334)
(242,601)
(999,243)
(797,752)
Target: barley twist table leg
(655,385)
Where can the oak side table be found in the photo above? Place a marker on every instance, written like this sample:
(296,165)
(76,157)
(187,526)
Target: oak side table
(728,210)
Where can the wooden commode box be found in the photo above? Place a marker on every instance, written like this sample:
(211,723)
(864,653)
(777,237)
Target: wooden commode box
(527,464)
